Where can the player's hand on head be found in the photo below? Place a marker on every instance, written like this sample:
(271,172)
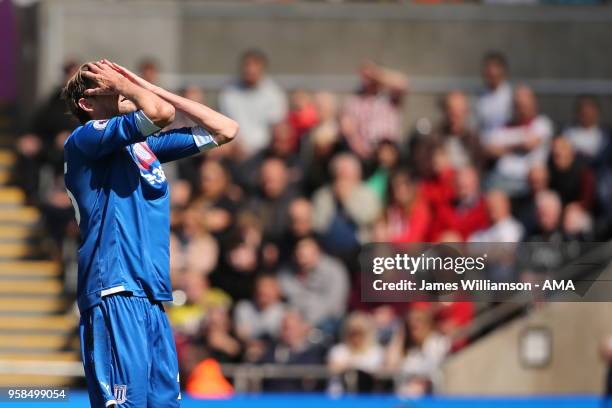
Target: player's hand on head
(108,80)
(132,77)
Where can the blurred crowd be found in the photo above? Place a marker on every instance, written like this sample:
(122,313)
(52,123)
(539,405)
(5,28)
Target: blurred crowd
(266,230)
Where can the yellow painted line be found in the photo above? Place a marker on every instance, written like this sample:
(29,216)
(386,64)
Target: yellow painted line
(52,356)
(16,287)
(33,341)
(15,232)
(38,268)
(23,214)
(28,304)
(15,250)
(7,157)
(11,195)
(7,380)
(37,323)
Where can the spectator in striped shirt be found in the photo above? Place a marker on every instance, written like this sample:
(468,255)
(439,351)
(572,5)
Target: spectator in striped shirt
(374,112)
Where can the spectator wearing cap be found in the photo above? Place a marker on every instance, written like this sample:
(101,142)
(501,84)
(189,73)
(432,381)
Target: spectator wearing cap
(255,101)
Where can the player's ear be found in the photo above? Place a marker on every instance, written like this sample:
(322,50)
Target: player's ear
(85,104)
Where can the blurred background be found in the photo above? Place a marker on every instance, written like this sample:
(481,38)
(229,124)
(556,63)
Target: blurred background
(361,121)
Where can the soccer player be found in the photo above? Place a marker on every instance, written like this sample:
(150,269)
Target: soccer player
(115,180)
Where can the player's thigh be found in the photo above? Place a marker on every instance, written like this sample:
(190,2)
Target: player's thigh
(95,349)
(125,320)
(164,391)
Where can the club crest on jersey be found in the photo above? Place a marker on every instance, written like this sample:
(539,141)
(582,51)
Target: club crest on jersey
(150,168)
(120,393)
(144,155)
(100,124)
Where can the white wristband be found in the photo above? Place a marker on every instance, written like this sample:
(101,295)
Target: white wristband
(144,124)
(202,138)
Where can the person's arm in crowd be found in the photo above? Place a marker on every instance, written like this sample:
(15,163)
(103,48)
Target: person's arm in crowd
(394,352)
(222,128)
(500,142)
(538,133)
(337,359)
(361,204)
(349,130)
(243,317)
(395,81)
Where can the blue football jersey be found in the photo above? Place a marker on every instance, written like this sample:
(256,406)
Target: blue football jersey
(114,177)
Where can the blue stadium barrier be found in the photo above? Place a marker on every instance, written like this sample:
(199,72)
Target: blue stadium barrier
(78,399)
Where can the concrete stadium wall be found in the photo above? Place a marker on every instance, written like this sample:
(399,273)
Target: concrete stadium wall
(560,50)
(492,366)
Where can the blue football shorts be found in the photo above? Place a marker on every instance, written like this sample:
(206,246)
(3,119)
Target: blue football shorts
(129,354)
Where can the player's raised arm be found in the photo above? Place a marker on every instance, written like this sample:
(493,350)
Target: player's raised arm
(111,82)
(222,128)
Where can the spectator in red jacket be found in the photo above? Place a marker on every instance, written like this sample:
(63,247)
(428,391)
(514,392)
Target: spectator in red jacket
(437,186)
(465,214)
(408,216)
